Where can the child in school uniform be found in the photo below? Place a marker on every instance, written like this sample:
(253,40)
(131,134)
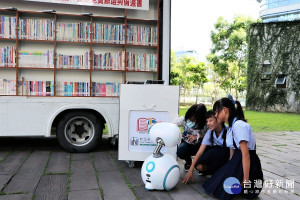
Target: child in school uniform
(194,129)
(213,152)
(244,164)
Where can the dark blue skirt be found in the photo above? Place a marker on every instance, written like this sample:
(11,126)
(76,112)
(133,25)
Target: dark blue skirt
(234,168)
(214,158)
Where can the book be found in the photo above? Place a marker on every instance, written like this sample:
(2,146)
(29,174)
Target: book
(141,62)
(64,61)
(110,61)
(8,56)
(35,88)
(141,35)
(73,32)
(36,59)
(36,29)
(8,27)
(105,89)
(109,33)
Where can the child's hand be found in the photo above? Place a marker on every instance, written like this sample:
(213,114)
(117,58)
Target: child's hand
(191,138)
(184,134)
(188,175)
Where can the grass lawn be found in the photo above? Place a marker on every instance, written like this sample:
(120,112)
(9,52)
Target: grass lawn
(266,121)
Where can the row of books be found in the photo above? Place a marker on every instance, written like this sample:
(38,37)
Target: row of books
(142,62)
(105,89)
(7,87)
(43,29)
(46,88)
(109,33)
(8,56)
(110,61)
(73,89)
(73,61)
(105,61)
(141,35)
(36,29)
(74,32)
(36,59)
(83,88)
(35,88)
(8,27)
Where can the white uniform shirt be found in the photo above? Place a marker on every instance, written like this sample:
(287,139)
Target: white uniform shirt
(242,131)
(217,140)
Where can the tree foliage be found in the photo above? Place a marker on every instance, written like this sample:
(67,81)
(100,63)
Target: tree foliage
(188,73)
(197,75)
(175,73)
(229,52)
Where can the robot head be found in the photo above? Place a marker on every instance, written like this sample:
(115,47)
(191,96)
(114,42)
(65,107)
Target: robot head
(168,132)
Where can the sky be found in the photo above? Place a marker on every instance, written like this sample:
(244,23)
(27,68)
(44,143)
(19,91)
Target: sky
(193,20)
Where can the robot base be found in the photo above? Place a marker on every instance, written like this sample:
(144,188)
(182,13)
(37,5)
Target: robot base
(160,173)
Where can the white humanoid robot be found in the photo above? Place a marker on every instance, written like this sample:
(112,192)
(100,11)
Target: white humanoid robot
(161,171)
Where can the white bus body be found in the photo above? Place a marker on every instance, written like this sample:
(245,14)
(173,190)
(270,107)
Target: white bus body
(46,116)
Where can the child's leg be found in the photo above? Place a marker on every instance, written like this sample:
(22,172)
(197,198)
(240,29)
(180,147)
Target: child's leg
(201,167)
(184,152)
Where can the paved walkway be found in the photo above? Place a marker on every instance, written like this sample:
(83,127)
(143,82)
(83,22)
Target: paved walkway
(39,169)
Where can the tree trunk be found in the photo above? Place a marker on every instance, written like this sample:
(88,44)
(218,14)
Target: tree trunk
(184,91)
(197,94)
(212,97)
(239,73)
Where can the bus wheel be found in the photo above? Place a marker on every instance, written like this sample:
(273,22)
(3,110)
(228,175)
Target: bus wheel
(79,131)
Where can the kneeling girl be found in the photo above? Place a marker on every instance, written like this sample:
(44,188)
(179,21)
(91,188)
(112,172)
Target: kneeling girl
(213,152)
(244,165)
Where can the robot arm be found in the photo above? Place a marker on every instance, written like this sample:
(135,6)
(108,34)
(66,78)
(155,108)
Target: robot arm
(160,143)
(165,134)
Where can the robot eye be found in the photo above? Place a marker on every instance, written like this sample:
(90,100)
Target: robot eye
(148,175)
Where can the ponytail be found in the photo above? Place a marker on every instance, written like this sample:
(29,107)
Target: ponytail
(233,111)
(239,111)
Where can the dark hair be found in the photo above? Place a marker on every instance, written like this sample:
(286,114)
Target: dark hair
(196,113)
(233,111)
(210,114)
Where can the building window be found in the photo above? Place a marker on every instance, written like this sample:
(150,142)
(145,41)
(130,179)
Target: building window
(280,81)
(264,81)
(266,67)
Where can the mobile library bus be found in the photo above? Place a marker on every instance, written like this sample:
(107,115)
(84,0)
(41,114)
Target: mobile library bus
(62,64)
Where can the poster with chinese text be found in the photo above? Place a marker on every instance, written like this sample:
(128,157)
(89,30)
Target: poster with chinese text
(139,124)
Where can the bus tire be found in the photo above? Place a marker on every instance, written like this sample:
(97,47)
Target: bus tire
(79,131)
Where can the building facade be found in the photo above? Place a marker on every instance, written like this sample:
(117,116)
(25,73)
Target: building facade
(274,67)
(279,10)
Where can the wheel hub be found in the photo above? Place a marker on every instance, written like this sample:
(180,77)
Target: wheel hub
(79,131)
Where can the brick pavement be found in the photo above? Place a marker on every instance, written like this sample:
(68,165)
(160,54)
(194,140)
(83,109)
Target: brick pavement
(38,169)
